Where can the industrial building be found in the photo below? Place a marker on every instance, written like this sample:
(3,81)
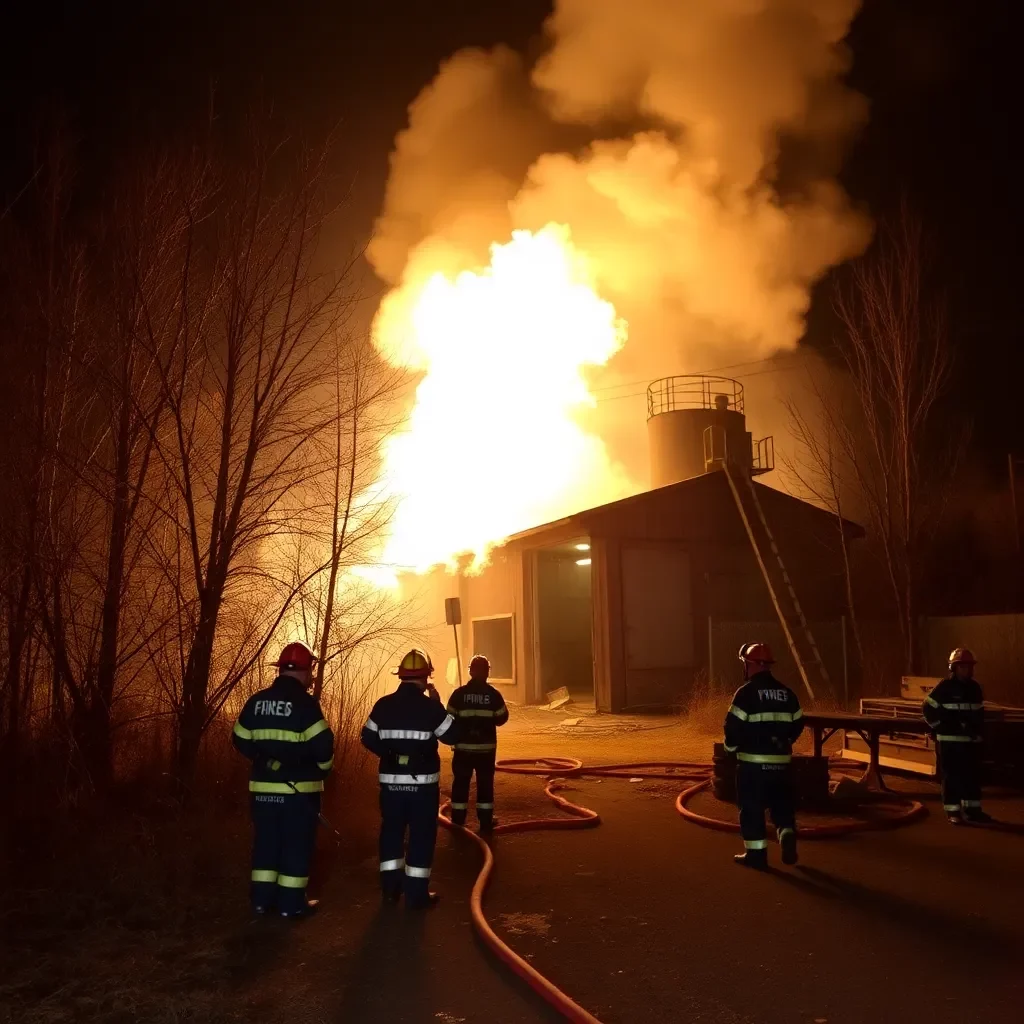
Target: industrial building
(633,604)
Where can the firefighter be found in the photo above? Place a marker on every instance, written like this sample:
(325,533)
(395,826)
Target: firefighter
(955,712)
(403,730)
(761,727)
(479,709)
(283,732)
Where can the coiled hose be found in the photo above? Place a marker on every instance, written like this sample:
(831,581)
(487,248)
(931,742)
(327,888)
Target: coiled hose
(558,769)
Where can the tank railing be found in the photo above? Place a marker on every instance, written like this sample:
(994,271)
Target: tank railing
(693,392)
(716,453)
(763,453)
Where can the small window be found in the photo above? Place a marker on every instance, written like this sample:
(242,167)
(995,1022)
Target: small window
(493,637)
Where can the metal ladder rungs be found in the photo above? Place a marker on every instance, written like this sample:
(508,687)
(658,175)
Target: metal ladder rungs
(783,618)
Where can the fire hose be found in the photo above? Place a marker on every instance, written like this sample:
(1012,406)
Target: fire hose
(558,769)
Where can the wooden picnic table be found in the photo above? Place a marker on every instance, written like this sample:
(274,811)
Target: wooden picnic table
(870,728)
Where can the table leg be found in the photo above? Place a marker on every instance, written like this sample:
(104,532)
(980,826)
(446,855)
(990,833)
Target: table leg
(872,777)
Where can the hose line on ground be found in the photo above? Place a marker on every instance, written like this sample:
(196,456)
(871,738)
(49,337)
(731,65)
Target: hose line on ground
(558,769)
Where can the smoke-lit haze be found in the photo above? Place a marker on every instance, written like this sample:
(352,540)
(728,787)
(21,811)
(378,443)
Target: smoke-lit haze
(690,149)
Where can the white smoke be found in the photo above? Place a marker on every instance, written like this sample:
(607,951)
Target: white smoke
(690,146)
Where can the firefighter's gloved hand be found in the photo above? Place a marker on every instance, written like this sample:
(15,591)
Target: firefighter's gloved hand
(432,693)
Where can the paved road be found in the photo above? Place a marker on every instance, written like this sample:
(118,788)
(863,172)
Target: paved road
(357,961)
(653,922)
(647,920)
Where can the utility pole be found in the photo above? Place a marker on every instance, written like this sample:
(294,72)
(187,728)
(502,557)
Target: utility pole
(453,617)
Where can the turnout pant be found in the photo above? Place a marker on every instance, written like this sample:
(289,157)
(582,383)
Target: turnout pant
(761,787)
(405,865)
(284,836)
(960,768)
(464,763)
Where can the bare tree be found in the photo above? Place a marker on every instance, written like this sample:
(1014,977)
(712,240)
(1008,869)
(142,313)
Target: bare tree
(190,428)
(822,436)
(896,351)
(42,279)
(242,375)
(362,386)
(351,623)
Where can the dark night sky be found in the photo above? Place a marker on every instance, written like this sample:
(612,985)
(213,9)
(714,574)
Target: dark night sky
(940,75)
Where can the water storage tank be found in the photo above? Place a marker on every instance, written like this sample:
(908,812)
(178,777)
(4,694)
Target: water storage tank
(694,424)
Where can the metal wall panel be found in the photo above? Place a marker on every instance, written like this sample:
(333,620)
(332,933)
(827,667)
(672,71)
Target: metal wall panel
(657,607)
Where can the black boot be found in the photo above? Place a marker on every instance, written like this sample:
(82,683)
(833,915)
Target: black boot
(391,896)
(431,901)
(487,824)
(978,816)
(307,911)
(954,817)
(753,859)
(788,843)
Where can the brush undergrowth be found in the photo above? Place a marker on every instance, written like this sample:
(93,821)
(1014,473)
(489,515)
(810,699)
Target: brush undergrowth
(134,909)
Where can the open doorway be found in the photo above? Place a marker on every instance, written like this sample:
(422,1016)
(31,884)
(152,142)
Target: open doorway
(564,620)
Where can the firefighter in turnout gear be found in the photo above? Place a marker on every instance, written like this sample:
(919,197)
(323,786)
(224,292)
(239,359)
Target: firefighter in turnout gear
(403,730)
(478,709)
(283,732)
(955,712)
(761,727)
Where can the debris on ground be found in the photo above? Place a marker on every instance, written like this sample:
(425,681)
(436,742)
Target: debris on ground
(557,705)
(570,721)
(557,699)
(526,924)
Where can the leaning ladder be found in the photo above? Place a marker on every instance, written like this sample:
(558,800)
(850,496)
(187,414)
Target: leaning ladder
(801,667)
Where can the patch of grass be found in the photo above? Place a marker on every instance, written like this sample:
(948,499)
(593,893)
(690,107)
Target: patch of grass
(134,910)
(123,919)
(708,704)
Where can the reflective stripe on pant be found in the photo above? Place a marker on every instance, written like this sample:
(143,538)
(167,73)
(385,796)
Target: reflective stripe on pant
(960,769)
(464,763)
(411,809)
(284,836)
(761,787)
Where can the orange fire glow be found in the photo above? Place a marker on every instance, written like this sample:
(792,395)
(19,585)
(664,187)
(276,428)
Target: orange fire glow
(493,444)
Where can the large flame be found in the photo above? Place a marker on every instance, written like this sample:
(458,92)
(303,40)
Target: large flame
(492,445)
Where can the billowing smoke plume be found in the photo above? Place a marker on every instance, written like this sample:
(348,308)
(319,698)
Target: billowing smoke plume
(698,238)
(690,146)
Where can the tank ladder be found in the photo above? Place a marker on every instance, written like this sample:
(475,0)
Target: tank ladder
(739,493)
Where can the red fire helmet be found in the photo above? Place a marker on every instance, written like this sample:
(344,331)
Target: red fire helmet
(757,652)
(296,656)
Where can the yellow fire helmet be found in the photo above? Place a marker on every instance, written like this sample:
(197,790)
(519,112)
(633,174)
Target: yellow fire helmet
(962,656)
(415,665)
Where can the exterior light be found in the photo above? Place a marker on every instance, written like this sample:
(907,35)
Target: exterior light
(583,561)
(582,547)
